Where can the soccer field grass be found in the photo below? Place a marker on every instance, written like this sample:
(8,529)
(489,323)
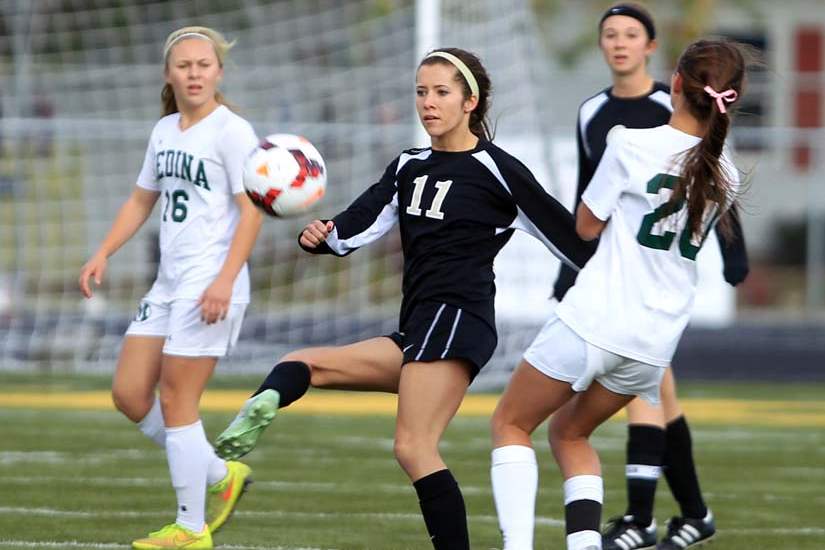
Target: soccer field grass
(77,475)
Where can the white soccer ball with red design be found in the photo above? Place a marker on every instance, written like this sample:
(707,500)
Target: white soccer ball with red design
(285,175)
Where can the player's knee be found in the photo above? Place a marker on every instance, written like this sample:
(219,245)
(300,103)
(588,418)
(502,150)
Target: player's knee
(504,426)
(410,450)
(405,454)
(171,398)
(318,376)
(321,375)
(500,423)
(130,402)
(561,432)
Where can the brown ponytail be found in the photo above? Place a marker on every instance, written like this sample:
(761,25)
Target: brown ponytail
(719,64)
(479,123)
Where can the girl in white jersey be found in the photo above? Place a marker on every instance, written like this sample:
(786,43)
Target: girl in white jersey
(659,438)
(615,332)
(192,315)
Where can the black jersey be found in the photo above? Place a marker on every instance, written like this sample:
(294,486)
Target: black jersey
(455,211)
(600,113)
(597,116)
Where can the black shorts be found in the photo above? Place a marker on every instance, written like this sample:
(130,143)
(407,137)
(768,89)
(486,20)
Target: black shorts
(435,331)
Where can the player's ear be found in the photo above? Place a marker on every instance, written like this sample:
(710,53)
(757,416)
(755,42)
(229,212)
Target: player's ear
(470,104)
(676,83)
(651,47)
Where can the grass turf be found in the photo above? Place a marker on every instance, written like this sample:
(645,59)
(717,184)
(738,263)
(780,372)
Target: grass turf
(88,479)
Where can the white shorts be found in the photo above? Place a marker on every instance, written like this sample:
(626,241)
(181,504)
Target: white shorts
(179,321)
(560,353)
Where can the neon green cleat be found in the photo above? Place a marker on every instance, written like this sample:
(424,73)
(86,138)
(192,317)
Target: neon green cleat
(222,497)
(242,434)
(175,536)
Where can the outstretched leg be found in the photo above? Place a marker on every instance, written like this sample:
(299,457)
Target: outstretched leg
(371,365)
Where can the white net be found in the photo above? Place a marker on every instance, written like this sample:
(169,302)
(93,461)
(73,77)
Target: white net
(81,84)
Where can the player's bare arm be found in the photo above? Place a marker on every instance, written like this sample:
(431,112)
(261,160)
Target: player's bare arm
(131,216)
(588,226)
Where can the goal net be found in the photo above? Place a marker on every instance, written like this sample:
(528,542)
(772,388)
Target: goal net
(80,94)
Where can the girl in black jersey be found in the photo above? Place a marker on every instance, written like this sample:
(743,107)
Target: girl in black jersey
(457,203)
(658,436)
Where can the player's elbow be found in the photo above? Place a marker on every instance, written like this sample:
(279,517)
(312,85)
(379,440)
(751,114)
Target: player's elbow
(588,225)
(588,230)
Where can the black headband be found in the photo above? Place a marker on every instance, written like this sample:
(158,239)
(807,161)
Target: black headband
(630,11)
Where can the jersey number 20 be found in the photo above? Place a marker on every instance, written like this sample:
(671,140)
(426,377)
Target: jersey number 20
(646,237)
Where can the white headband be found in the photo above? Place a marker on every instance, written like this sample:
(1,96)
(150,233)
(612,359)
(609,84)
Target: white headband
(462,68)
(181,37)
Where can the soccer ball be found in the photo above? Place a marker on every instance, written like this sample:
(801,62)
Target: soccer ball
(285,175)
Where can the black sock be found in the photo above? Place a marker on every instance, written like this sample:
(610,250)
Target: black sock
(444,513)
(290,379)
(680,470)
(582,515)
(645,454)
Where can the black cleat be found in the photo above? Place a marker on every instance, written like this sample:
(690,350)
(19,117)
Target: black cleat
(621,533)
(687,533)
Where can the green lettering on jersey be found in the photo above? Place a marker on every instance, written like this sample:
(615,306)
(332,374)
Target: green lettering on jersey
(200,177)
(159,164)
(169,169)
(645,236)
(178,164)
(186,164)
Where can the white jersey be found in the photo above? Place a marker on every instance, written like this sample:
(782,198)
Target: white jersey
(197,171)
(634,296)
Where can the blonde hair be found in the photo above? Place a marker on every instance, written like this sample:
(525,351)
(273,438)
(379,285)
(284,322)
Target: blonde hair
(221,46)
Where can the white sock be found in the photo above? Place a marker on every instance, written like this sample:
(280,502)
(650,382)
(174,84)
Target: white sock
(584,540)
(189,454)
(587,488)
(153,427)
(152,424)
(515,477)
(216,470)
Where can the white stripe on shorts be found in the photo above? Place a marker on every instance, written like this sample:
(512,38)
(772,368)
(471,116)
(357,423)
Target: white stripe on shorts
(452,333)
(430,331)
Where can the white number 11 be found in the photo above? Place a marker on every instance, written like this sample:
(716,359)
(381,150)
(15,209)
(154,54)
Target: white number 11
(434,211)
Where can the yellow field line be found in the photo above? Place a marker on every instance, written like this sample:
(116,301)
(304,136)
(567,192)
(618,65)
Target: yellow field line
(711,411)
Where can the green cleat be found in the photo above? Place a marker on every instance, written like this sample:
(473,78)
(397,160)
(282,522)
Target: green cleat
(242,434)
(223,496)
(175,536)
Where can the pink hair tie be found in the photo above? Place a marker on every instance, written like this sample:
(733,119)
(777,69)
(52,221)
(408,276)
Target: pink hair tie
(720,97)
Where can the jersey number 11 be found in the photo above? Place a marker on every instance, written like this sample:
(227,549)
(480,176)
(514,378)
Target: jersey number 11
(434,211)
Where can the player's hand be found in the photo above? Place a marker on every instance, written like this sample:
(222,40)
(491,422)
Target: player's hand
(215,301)
(95,268)
(315,233)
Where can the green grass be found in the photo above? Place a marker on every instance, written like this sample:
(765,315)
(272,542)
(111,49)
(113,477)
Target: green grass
(331,481)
